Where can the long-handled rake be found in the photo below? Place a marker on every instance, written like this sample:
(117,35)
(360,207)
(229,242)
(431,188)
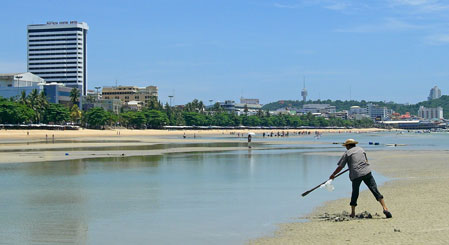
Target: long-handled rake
(318,186)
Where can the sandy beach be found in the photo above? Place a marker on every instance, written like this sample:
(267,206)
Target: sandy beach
(41,134)
(417,198)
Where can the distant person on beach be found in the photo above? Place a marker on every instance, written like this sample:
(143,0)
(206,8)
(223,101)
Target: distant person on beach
(359,170)
(249,140)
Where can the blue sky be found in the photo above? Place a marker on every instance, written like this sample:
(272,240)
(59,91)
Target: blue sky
(393,50)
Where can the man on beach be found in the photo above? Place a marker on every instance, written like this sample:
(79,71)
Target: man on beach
(359,170)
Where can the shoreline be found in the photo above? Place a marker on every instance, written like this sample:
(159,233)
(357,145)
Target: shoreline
(416,196)
(38,145)
(30,146)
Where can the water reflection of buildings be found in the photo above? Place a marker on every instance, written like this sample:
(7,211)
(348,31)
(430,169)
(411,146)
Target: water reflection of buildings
(55,208)
(61,200)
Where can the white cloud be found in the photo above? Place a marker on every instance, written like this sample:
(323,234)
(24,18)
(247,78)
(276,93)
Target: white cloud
(438,39)
(286,6)
(413,2)
(337,6)
(421,5)
(388,25)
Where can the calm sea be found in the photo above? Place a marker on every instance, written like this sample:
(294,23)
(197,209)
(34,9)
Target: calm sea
(189,198)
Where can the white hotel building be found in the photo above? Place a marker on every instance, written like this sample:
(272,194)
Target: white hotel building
(57,53)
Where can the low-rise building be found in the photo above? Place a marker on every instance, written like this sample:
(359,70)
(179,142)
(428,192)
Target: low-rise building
(58,93)
(240,109)
(378,113)
(112,105)
(357,110)
(248,109)
(249,101)
(413,124)
(228,105)
(131,93)
(284,111)
(341,114)
(134,105)
(360,116)
(397,116)
(318,108)
(12,85)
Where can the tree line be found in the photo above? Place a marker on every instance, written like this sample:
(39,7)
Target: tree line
(35,108)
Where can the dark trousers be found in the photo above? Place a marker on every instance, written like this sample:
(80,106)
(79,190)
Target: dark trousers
(370,182)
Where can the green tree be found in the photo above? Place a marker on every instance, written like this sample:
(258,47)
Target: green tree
(74,96)
(42,105)
(194,119)
(216,107)
(75,114)
(156,119)
(194,106)
(97,118)
(37,102)
(23,98)
(133,119)
(245,109)
(222,119)
(177,118)
(56,113)
(15,113)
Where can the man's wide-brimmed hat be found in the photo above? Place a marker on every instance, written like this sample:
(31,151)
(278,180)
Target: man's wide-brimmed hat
(350,142)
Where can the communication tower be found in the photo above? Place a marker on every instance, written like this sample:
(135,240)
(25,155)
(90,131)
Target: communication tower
(304,92)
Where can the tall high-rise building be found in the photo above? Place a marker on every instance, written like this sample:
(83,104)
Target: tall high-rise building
(435,93)
(57,53)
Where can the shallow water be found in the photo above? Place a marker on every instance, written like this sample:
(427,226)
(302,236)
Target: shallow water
(131,147)
(195,198)
(188,198)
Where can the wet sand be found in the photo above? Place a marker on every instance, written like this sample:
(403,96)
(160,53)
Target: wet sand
(417,197)
(41,134)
